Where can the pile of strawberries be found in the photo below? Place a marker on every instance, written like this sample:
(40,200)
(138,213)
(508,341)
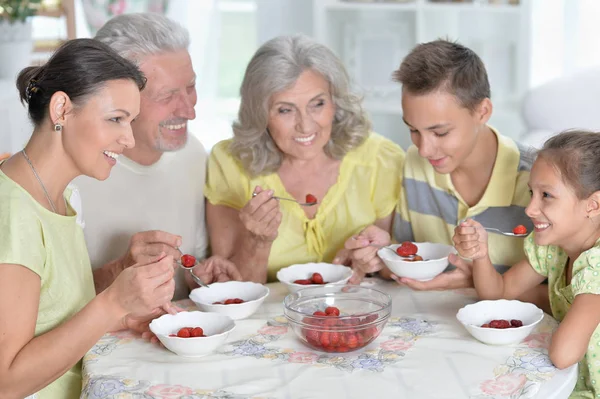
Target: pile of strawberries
(189,332)
(333,333)
(233,301)
(316,278)
(502,324)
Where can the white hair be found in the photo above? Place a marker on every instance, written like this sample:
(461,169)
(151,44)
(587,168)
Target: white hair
(135,36)
(276,66)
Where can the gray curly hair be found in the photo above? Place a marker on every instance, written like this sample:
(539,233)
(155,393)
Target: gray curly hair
(276,66)
(135,36)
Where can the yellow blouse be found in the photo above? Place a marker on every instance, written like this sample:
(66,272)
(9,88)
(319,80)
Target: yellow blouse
(367,189)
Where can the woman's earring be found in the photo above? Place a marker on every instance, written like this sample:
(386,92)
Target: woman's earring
(57,127)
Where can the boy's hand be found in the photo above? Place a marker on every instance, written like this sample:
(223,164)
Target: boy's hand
(470,240)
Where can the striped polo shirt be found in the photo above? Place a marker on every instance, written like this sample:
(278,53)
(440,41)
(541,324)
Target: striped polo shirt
(430,207)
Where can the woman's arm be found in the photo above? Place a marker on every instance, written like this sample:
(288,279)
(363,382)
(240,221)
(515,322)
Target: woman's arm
(572,338)
(245,237)
(28,363)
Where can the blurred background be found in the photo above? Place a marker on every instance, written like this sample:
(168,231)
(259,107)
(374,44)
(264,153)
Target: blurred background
(542,56)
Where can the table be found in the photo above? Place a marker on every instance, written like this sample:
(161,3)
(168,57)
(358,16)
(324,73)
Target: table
(422,353)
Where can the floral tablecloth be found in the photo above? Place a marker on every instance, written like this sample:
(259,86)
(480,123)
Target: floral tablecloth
(423,352)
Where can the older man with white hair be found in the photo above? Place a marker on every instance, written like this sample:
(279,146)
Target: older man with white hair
(153,201)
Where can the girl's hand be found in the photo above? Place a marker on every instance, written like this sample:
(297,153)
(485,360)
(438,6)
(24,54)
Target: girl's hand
(470,240)
(261,216)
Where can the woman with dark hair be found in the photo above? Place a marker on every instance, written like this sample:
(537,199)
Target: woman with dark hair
(82,103)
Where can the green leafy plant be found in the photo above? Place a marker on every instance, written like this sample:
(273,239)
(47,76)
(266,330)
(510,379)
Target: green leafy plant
(18,10)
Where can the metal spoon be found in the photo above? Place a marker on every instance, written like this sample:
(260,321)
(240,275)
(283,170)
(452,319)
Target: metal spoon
(504,233)
(383,247)
(189,269)
(293,200)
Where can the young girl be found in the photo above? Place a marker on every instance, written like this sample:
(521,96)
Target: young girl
(564,247)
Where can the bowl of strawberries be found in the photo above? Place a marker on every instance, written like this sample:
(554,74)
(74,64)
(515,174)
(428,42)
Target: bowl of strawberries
(500,322)
(192,334)
(297,277)
(420,261)
(337,318)
(236,299)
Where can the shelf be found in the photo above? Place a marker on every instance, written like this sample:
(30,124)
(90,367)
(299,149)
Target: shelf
(341,5)
(427,6)
(488,8)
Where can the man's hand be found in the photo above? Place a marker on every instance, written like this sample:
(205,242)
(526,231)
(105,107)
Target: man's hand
(146,245)
(461,277)
(216,269)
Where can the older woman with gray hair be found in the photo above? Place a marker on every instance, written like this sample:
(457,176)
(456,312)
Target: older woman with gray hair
(300,131)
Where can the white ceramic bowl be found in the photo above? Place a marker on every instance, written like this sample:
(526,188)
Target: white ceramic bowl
(253,295)
(332,274)
(435,255)
(216,328)
(482,312)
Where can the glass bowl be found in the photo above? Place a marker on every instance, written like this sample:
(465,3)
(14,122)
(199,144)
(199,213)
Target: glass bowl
(363,314)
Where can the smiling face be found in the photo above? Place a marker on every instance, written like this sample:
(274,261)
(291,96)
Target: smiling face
(444,131)
(301,117)
(167,102)
(98,131)
(557,213)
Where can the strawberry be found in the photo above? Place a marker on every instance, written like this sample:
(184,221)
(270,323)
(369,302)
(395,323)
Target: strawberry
(229,301)
(516,323)
(316,278)
(407,249)
(197,332)
(311,199)
(335,338)
(325,338)
(332,311)
(303,282)
(217,303)
(352,341)
(319,313)
(312,336)
(238,300)
(188,261)
(520,229)
(184,333)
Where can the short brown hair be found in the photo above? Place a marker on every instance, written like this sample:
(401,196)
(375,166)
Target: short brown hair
(576,155)
(447,66)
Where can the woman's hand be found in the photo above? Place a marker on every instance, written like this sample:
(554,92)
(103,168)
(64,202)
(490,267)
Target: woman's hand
(261,216)
(470,240)
(363,253)
(142,288)
(217,269)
